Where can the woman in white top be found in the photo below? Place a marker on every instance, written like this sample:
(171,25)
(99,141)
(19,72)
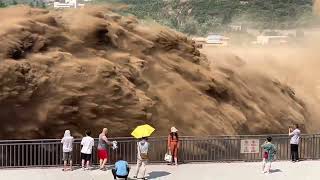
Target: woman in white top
(67,142)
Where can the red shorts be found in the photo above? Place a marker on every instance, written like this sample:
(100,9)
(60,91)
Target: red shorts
(103,154)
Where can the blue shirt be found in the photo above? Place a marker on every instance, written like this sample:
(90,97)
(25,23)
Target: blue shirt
(121,168)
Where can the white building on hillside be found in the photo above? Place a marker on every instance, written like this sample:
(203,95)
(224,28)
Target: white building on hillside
(68,4)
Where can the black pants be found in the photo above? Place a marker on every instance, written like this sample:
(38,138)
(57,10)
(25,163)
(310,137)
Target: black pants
(294,152)
(114,172)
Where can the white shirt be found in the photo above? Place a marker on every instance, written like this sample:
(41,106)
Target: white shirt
(67,143)
(87,144)
(295,136)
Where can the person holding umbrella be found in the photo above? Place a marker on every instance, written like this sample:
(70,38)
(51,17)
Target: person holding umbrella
(142,133)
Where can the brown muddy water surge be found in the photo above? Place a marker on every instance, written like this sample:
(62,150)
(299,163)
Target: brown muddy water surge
(92,68)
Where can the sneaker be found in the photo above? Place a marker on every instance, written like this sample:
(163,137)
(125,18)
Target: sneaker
(135,177)
(83,169)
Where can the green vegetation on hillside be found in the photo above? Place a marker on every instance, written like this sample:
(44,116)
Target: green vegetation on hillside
(203,16)
(199,17)
(2,4)
(31,3)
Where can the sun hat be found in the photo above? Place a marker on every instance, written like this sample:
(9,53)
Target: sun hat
(173,129)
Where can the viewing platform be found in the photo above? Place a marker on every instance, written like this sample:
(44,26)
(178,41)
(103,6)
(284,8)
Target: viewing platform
(281,170)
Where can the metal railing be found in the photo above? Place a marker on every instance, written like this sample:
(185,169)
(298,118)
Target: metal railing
(44,153)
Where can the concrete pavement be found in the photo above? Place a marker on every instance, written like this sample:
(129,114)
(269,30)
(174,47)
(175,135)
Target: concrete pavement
(305,170)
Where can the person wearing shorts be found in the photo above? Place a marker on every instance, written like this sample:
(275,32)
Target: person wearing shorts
(103,154)
(67,143)
(67,156)
(86,150)
(86,157)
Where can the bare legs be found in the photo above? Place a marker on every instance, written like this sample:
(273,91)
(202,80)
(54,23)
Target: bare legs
(266,166)
(176,161)
(174,153)
(65,165)
(71,165)
(103,163)
(83,163)
(263,165)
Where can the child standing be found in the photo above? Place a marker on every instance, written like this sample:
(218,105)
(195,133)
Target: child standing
(67,142)
(268,156)
(86,150)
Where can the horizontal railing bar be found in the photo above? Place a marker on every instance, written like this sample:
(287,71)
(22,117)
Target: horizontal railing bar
(159,137)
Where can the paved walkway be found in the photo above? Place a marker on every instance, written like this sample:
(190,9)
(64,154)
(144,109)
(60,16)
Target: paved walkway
(307,170)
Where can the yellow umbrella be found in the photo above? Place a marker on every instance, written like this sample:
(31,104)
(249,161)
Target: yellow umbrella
(142,131)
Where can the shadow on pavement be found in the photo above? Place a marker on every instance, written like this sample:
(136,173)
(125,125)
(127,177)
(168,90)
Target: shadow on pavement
(275,170)
(157,174)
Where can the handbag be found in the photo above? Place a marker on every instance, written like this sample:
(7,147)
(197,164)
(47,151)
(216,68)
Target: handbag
(168,157)
(143,156)
(265,155)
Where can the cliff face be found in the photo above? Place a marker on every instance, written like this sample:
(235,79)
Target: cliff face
(91,68)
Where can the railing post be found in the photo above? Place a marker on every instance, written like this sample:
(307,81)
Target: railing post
(314,144)
(41,154)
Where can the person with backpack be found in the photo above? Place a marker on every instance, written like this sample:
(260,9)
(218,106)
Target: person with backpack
(67,144)
(142,157)
(268,156)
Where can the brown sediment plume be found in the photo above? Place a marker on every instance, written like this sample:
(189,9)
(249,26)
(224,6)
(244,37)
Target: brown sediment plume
(92,68)
(296,66)
(316,7)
